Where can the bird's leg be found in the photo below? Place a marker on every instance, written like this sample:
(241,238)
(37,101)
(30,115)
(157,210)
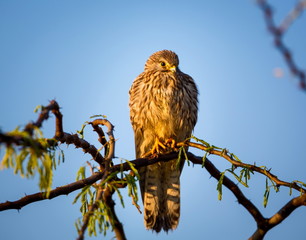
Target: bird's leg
(156,148)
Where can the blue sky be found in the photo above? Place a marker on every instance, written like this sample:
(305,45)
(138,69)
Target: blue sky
(85,54)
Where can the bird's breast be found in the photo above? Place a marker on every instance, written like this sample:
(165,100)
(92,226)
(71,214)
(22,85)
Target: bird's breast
(166,111)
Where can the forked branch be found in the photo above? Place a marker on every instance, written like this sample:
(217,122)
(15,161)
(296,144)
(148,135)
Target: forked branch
(104,187)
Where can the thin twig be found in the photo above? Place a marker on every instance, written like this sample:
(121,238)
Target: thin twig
(236,163)
(292,16)
(277,33)
(111,143)
(90,212)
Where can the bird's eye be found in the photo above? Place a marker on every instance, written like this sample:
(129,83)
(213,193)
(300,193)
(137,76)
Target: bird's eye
(162,64)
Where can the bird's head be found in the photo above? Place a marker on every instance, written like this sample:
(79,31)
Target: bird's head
(164,61)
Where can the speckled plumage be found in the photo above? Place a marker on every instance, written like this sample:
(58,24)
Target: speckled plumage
(163,104)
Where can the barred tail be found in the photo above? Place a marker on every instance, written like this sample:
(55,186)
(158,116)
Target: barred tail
(161,196)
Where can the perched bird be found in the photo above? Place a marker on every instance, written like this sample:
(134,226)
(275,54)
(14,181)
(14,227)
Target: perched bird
(163,106)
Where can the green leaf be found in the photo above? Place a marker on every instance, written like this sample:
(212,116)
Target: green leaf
(276,188)
(109,177)
(61,157)
(81,132)
(132,168)
(186,157)
(204,159)
(99,115)
(239,178)
(266,194)
(178,161)
(266,197)
(82,193)
(215,147)
(81,173)
(235,157)
(219,186)
(8,158)
(20,158)
(119,195)
(132,188)
(206,144)
(38,108)
(32,165)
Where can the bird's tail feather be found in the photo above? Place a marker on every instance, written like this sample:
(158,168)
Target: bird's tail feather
(161,196)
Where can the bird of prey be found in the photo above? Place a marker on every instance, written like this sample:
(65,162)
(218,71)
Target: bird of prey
(163,106)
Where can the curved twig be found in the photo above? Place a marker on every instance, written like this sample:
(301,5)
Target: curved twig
(110,133)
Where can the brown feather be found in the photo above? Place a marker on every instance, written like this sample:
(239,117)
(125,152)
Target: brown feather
(163,104)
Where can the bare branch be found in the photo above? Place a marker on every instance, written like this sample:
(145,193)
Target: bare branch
(282,214)
(105,191)
(81,143)
(111,142)
(100,133)
(292,16)
(246,203)
(60,135)
(64,190)
(44,115)
(263,224)
(117,225)
(277,34)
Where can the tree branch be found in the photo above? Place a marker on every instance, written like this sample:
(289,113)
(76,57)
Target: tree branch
(117,225)
(81,143)
(64,190)
(246,203)
(292,16)
(105,192)
(91,210)
(109,154)
(277,33)
(264,226)
(224,154)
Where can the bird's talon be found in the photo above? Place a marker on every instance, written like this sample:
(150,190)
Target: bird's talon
(171,143)
(158,147)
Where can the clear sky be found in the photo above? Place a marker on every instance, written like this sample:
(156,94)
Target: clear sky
(85,54)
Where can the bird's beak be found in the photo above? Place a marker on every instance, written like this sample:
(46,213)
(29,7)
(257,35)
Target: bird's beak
(172,69)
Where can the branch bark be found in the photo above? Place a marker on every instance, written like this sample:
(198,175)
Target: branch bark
(224,154)
(64,190)
(246,203)
(105,194)
(266,225)
(117,225)
(278,32)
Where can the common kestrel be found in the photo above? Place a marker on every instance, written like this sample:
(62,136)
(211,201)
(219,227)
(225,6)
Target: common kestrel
(163,105)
